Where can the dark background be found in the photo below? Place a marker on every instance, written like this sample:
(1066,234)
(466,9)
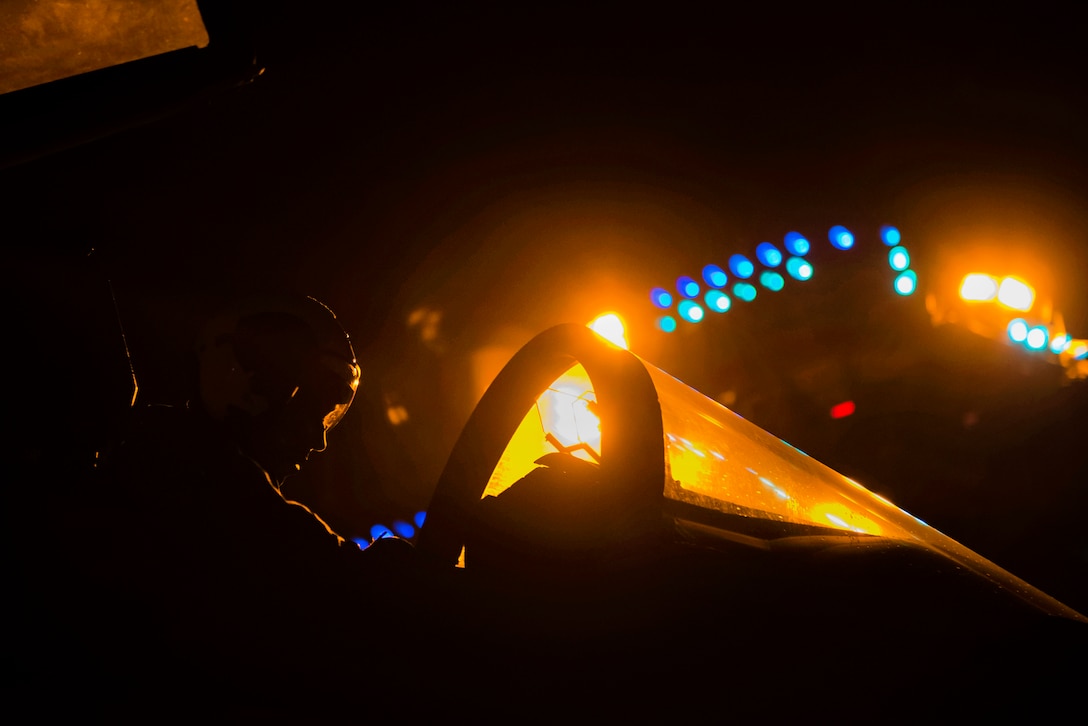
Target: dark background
(453,180)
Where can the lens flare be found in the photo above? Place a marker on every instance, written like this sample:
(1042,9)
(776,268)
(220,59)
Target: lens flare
(899,258)
(799,269)
(906,283)
(768,254)
(1036,338)
(744,291)
(714,276)
(718,301)
(1018,330)
(796,244)
(661,297)
(686,286)
(690,311)
(840,237)
(889,235)
(741,266)
(771,280)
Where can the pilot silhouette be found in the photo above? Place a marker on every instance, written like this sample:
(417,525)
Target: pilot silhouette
(203,570)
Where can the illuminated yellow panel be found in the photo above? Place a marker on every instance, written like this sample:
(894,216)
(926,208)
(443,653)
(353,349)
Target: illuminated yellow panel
(563,419)
(1016,294)
(718,459)
(978,287)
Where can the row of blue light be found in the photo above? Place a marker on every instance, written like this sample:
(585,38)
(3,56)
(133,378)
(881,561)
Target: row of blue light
(399,528)
(741,268)
(690,309)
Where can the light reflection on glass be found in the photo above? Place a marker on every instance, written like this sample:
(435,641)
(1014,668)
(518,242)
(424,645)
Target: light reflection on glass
(563,419)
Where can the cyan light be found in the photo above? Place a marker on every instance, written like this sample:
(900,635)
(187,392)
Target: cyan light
(1037,338)
(717,301)
(771,280)
(741,266)
(768,254)
(889,235)
(686,286)
(899,258)
(841,237)
(796,244)
(715,276)
(744,291)
(799,269)
(666,323)
(690,311)
(661,297)
(906,283)
(1018,330)
(1060,343)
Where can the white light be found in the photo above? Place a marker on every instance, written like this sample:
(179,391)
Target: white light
(1015,294)
(978,287)
(1036,339)
(610,327)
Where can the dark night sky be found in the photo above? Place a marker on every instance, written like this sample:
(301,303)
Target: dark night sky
(424,156)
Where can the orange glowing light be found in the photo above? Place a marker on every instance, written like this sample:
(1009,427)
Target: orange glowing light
(563,419)
(610,327)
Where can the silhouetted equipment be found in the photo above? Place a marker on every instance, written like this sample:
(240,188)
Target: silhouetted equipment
(691,551)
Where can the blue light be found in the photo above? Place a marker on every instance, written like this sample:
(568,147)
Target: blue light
(796,244)
(799,269)
(840,237)
(906,283)
(718,301)
(899,258)
(687,286)
(661,297)
(889,235)
(667,323)
(690,311)
(1018,330)
(1037,338)
(403,529)
(744,291)
(771,280)
(768,254)
(380,530)
(741,266)
(715,276)
(419,519)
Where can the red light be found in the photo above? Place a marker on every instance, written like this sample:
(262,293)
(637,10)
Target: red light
(842,410)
